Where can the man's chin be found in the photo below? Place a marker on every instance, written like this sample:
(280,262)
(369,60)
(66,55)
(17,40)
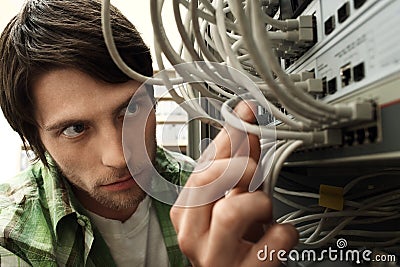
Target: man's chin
(121,200)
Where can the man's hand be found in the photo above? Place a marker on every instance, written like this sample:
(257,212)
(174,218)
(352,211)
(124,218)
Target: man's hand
(231,230)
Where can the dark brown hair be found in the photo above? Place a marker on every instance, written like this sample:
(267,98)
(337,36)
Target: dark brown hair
(51,34)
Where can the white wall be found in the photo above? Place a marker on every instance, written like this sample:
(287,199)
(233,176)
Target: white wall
(137,11)
(10,144)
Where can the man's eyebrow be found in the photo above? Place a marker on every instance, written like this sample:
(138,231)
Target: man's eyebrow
(126,103)
(63,124)
(123,105)
(136,95)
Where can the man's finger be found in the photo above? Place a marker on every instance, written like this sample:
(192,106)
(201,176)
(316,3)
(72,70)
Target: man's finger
(208,185)
(230,140)
(251,148)
(274,246)
(195,203)
(233,216)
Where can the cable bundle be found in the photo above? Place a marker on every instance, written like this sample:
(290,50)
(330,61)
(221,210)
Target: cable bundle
(320,226)
(234,33)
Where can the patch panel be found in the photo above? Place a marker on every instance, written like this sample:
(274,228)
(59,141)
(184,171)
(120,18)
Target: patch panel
(357,56)
(290,51)
(333,16)
(357,61)
(336,15)
(375,141)
(362,135)
(348,75)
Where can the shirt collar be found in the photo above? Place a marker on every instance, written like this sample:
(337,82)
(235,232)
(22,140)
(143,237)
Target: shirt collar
(60,199)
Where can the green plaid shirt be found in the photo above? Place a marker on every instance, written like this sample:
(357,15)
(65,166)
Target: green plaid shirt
(42,224)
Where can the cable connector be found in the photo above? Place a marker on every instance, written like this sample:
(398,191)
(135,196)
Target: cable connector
(328,137)
(300,22)
(356,111)
(305,21)
(306,35)
(312,86)
(305,75)
(302,76)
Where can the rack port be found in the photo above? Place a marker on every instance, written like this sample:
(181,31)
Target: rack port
(360,136)
(329,25)
(359,3)
(348,138)
(343,12)
(372,133)
(311,73)
(324,87)
(359,72)
(345,74)
(332,88)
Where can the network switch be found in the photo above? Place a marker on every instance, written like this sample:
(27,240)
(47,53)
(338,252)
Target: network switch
(358,61)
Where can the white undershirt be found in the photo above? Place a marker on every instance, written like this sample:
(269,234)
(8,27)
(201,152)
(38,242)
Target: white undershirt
(136,242)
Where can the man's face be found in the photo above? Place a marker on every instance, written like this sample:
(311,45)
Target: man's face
(80,121)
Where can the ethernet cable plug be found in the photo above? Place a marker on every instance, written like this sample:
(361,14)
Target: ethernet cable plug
(305,21)
(291,24)
(328,137)
(306,35)
(300,36)
(322,138)
(302,76)
(305,75)
(312,86)
(301,22)
(356,111)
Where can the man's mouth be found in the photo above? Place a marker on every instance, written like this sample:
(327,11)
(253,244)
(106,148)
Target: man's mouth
(122,184)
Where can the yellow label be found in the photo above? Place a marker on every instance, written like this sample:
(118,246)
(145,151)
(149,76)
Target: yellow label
(331,197)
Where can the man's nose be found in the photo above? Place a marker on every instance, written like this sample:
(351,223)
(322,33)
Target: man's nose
(112,154)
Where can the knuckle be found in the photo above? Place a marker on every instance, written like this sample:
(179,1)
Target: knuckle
(246,112)
(174,213)
(224,212)
(185,244)
(264,201)
(203,176)
(207,262)
(287,233)
(200,179)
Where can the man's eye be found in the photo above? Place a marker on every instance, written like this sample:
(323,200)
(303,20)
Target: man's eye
(74,130)
(131,110)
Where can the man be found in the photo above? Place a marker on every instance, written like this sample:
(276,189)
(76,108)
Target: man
(78,204)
